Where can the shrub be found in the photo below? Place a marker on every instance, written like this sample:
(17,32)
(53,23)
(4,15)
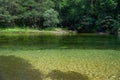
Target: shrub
(108,25)
(86,24)
(6,19)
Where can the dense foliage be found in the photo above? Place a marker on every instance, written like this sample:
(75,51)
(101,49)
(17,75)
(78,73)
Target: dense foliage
(80,15)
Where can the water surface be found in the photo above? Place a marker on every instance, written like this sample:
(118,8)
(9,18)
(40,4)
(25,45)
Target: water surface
(68,57)
(60,42)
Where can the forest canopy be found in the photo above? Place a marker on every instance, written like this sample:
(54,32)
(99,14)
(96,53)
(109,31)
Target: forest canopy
(79,15)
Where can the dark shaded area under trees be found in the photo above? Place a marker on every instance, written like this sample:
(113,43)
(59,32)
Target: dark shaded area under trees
(80,15)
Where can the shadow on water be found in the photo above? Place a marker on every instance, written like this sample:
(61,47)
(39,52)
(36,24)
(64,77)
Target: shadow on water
(14,68)
(1,77)
(70,75)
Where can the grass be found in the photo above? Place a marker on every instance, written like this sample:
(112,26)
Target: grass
(46,31)
(16,29)
(96,64)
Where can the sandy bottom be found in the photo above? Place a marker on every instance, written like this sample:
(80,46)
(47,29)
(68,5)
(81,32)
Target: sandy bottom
(58,64)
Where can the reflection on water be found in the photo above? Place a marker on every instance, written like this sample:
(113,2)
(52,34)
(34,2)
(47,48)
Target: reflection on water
(60,42)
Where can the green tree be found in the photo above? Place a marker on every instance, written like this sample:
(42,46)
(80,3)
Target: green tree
(68,13)
(108,25)
(51,18)
(86,24)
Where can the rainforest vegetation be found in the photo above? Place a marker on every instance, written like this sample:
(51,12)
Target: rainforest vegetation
(83,16)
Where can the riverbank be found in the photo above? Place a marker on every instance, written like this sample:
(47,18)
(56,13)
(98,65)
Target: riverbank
(47,31)
(52,31)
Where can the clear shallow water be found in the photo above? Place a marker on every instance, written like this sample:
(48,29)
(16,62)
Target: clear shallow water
(77,57)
